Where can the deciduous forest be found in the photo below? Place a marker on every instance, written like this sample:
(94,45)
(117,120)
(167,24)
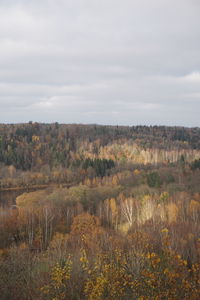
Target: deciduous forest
(99,212)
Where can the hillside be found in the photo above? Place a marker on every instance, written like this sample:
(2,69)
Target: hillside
(36,153)
(99,212)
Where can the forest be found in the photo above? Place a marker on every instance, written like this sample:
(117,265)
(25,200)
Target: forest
(99,212)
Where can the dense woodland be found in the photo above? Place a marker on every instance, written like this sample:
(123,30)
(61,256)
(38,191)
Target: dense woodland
(39,154)
(115,212)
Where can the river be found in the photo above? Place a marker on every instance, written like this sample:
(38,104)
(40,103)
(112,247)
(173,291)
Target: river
(8,197)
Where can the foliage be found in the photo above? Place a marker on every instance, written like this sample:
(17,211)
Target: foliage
(102,212)
(195,164)
(154,180)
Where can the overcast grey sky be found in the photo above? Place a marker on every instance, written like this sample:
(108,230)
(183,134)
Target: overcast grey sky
(107,61)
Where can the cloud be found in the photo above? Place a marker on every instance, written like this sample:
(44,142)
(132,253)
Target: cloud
(109,62)
(193,77)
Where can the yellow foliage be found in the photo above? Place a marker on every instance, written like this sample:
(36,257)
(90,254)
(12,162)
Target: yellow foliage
(113,206)
(136,172)
(194,207)
(165,230)
(59,280)
(172,211)
(35,138)
(164,196)
(111,275)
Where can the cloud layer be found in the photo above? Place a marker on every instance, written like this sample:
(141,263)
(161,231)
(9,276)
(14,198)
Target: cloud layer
(108,62)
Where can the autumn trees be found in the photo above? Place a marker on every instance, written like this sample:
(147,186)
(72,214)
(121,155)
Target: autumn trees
(42,154)
(29,147)
(121,267)
(64,252)
(114,214)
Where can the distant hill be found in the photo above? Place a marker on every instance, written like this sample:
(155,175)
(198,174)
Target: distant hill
(30,146)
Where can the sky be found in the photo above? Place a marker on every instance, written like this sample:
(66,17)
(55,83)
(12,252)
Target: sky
(130,62)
